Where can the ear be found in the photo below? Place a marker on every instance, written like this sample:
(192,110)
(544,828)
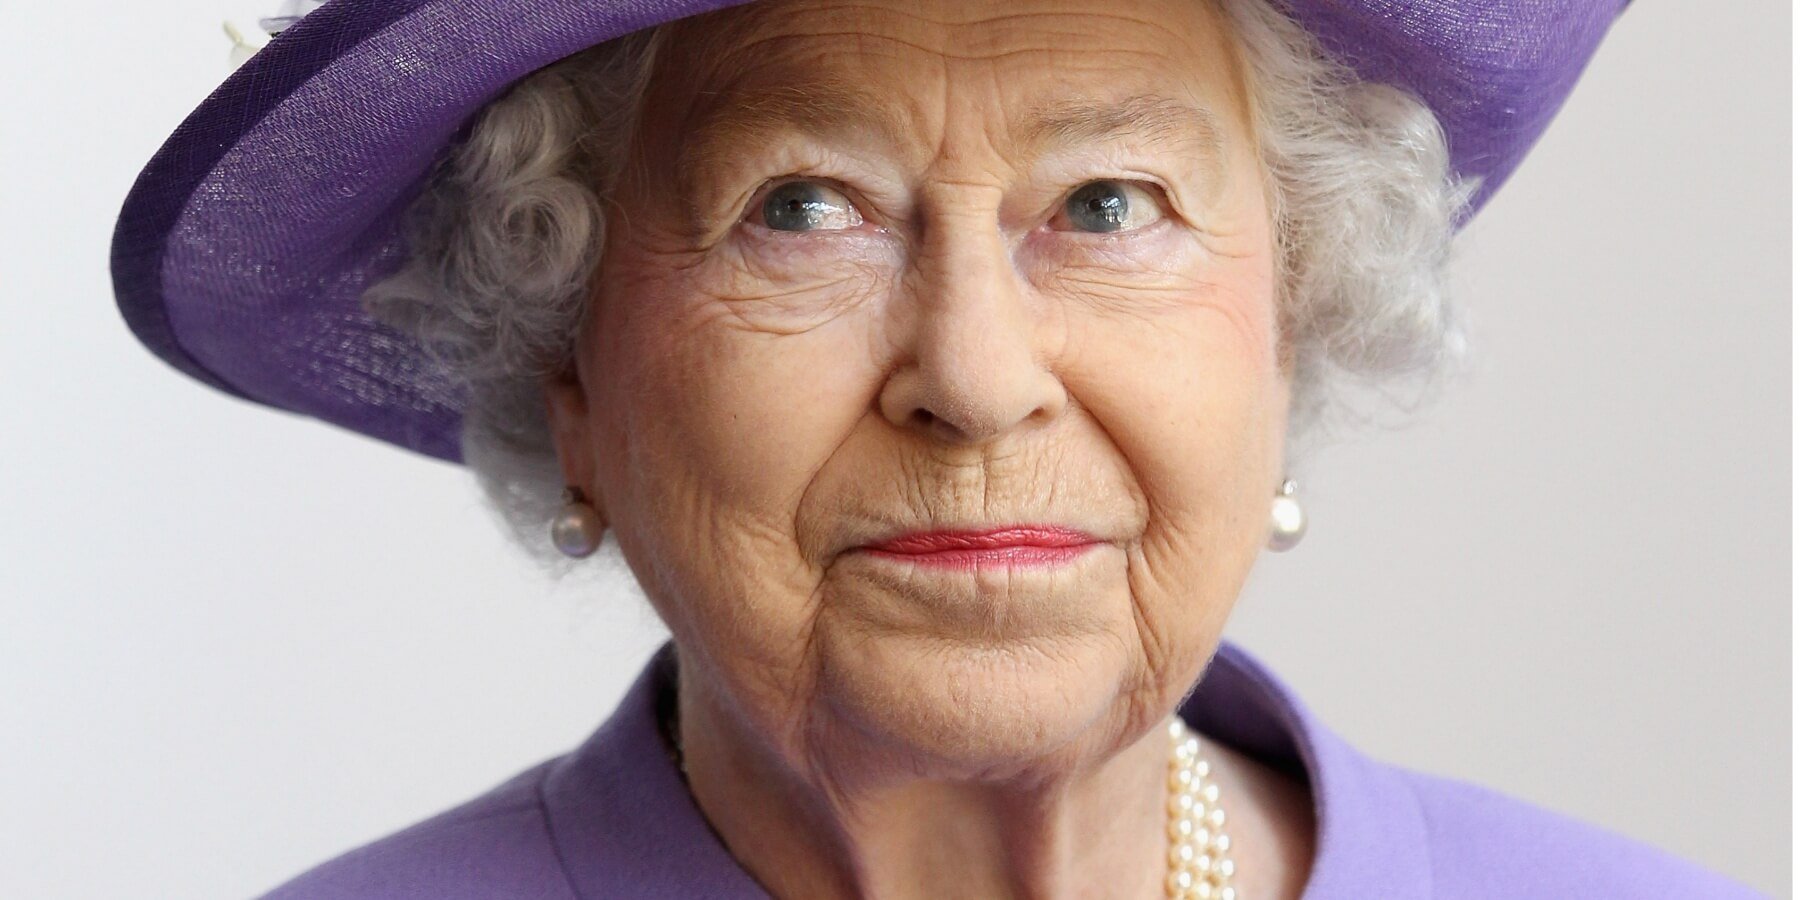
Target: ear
(566,411)
(1284,401)
(1287,355)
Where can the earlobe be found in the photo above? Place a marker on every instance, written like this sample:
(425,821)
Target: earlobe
(566,413)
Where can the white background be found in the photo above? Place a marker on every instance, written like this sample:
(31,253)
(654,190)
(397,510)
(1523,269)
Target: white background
(234,642)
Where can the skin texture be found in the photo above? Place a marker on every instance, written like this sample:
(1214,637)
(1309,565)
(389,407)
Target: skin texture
(946,347)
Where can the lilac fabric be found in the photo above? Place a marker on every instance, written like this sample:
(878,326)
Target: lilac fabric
(614,819)
(243,248)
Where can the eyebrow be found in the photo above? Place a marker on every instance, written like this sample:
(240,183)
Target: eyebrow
(838,109)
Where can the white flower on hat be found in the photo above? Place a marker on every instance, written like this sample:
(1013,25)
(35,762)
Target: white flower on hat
(246,41)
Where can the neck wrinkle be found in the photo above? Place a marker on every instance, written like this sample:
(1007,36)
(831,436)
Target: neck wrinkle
(1099,833)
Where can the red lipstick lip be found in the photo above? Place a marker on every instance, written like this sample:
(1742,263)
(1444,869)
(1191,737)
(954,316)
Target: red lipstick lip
(924,542)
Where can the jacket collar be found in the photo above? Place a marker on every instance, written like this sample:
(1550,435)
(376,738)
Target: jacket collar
(624,823)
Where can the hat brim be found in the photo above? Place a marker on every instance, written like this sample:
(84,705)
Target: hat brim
(243,248)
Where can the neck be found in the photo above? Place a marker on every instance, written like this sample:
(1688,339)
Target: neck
(845,824)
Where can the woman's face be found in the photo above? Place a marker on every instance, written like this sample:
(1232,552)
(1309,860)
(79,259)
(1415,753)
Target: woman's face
(891,266)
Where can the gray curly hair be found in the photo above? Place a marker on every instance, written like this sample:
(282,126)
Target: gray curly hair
(506,240)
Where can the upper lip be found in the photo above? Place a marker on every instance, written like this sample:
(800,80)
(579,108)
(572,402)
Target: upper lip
(984,539)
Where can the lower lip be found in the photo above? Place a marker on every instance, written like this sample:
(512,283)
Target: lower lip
(1012,555)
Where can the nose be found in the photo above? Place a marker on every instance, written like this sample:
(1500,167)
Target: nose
(975,342)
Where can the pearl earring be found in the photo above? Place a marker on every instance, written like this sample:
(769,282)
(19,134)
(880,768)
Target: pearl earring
(576,530)
(1287,521)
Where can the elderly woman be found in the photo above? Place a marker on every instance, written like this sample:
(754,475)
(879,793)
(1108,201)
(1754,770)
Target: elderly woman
(933,365)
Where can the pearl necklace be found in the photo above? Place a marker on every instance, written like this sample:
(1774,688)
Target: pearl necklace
(1199,865)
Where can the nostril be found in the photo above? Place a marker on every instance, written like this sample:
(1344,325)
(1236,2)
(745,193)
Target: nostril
(937,426)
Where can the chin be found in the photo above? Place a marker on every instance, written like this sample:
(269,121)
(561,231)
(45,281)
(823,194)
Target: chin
(981,708)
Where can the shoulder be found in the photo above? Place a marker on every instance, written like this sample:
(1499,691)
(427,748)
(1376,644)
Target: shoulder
(1487,844)
(495,845)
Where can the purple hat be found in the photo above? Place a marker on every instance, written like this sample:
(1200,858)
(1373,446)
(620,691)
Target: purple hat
(244,246)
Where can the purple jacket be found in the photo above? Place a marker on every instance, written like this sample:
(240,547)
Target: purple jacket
(613,819)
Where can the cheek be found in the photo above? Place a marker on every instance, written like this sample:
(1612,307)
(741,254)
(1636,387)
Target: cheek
(732,371)
(717,424)
(1194,416)
(1186,380)
(1194,400)
(753,359)
(741,416)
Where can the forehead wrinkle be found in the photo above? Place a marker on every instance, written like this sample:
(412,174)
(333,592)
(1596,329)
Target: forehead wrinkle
(1151,118)
(831,107)
(727,124)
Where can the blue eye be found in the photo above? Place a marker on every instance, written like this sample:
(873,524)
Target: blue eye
(808,206)
(1108,206)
